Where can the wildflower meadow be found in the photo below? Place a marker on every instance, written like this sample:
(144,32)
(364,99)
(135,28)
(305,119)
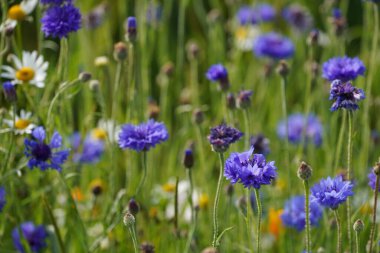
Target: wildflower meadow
(204,126)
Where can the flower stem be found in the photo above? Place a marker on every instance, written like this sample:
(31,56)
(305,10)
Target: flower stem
(248,217)
(246,123)
(307,212)
(373,225)
(216,202)
(339,245)
(144,154)
(259,212)
(132,231)
(349,158)
(190,176)
(357,241)
(340,141)
(285,116)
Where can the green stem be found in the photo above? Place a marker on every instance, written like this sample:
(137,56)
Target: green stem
(357,241)
(339,245)
(134,237)
(116,91)
(216,202)
(248,217)
(259,213)
(373,225)
(142,181)
(285,116)
(55,225)
(12,141)
(307,212)
(340,141)
(62,62)
(189,174)
(247,133)
(349,158)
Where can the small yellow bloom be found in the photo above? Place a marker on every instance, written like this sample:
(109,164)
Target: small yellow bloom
(168,187)
(153,212)
(16,13)
(22,124)
(97,186)
(25,74)
(99,133)
(275,226)
(203,201)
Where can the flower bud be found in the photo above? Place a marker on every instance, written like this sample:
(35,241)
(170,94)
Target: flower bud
(168,69)
(244,99)
(133,207)
(210,250)
(358,226)
(94,85)
(229,190)
(120,52)
(376,169)
(131,29)
(188,159)
(304,171)
(283,68)
(147,247)
(231,101)
(321,250)
(313,38)
(153,110)
(192,50)
(129,219)
(101,61)
(10,91)
(198,116)
(85,77)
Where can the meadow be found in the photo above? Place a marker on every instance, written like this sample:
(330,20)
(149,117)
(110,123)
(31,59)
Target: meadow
(189,126)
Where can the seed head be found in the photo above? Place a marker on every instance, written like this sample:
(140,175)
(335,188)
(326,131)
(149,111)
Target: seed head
(304,171)
(358,226)
(129,219)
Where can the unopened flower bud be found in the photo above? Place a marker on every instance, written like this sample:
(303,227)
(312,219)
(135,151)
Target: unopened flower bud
(304,171)
(101,61)
(168,69)
(244,99)
(153,110)
(85,77)
(283,68)
(147,247)
(231,101)
(10,91)
(192,50)
(229,189)
(188,159)
(94,85)
(210,250)
(133,207)
(131,29)
(313,38)
(120,52)
(358,226)
(129,219)
(321,250)
(376,169)
(198,116)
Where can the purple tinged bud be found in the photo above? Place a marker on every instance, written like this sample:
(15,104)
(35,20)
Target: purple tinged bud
(283,68)
(244,99)
(358,226)
(231,101)
(147,247)
(133,207)
(10,91)
(131,29)
(198,116)
(120,51)
(376,169)
(304,171)
(188,159)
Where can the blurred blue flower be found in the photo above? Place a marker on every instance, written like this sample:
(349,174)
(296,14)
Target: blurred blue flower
(342,68)
(142,137)
(345,95)
(298,124)
(274,46)
(131,28)
(294,214)
(59,21)
(337,13)
(153,13)
(266,12)
(331,192)
(249,169)
(3,200)
(222,136)
(298,17)
(372,180)
(55,2)
(244,99)
(255,14)
(41,155)
(35,236)
(218,73)
(10,91)
(260,144)
(90,151)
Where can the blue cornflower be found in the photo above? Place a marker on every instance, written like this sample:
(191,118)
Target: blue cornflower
(266,12)
(142,137)
(218,73)
(337,13)
(247,15)
(299,124)
(35,236)
(90,151)
(55,2)
(131,28)
(251,170)
(342,68)
(274,46)
(59,21)
(41,155)
(10,91)
(298,17)
(260,144)
(372,180)
(331,192)
(3,201)
(345,95)
(294,212)
(222,136)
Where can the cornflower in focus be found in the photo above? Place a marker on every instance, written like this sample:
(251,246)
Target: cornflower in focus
(345,95)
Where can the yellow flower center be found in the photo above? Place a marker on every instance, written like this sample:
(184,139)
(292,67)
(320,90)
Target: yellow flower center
(25,74)
(99,133)
(203,201)
(22,124)
(16,13)
(168,187)
(241,33)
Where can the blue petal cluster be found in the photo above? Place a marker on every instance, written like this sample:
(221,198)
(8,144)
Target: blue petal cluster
(331,192)
(59,21)
(273,45)
(3,200)
(42,155)
(298,17)
(89,151)
(222,136)
(217,73)
(55,2)
(299,124)
(345,95)
(244,98)
(142,137)
(35,236)
(294,214)
(249,169)
(342,68)
(9,91)
(372,180)
(256,14)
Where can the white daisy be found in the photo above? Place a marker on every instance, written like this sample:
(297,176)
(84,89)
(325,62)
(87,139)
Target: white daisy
(245,36)
(18,12)
(106,128)
(22,124)
(30,69)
